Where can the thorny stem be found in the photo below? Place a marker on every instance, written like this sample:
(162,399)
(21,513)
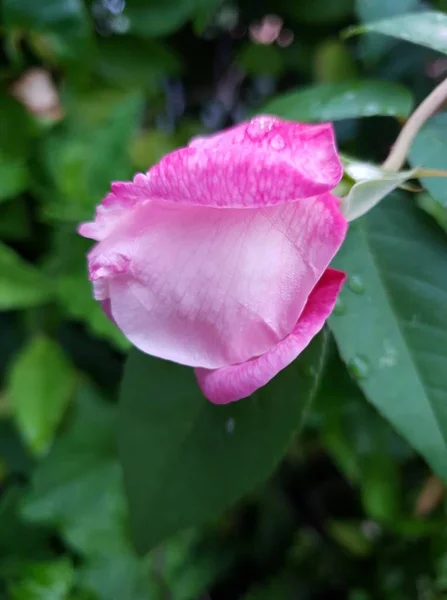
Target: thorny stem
(404,140)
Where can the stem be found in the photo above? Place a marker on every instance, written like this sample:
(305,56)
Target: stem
(404,140)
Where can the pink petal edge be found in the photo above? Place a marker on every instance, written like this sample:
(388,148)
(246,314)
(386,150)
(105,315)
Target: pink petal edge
(261,162)
(231,169)
(229,384)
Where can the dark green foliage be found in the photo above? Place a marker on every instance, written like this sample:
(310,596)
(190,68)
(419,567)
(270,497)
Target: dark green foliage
(328,483)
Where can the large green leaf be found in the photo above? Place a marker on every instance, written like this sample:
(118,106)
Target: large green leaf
(186,459)
(59,28)
(391,321)
(41,383)
(429,150)
(21,285)
(344,100)
(423,28)
(375,46)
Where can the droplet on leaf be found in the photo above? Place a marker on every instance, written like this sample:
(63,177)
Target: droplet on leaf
(359,367)
(356,285)
(340,307)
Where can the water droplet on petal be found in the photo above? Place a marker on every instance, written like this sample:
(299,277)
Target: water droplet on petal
(259,127)
(340,307)
(277,142)
(356,285)
(229,425)
(358,367)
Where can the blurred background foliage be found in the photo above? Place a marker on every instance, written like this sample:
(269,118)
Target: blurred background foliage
(93,91)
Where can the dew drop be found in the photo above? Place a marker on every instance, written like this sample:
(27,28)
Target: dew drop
(356,285)
(358,367)
(229,425)
(259,127)
(277,143)
(340,307)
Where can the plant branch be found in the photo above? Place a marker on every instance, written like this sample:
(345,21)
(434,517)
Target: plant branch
(404,140)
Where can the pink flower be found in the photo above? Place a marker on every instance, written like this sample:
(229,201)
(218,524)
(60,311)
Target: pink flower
(217,257)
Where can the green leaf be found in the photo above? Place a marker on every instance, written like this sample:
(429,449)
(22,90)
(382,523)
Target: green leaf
(41,384)
(16,131)
(391,323)
(259,59)
(344,100)
(374,46)
(134,63)
(319,11)
(427,29)
(14,220)
(365,194)
(13,177)
(433,208)
(360,441)
(19,539)
(429,150)
(150,19)
(333,62)
(78,485)
(59,28)
(185,459)
(82,160)
(51,580)
(21,285)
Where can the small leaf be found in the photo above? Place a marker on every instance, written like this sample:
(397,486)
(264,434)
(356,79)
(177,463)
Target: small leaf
(428,29)
(259,59)
(51,580)
(41,383)
(78,485)
(185,459)
(59,29)
(21,285)
(429,150)
(392,331)
(150,19)
(365,194)
(319,11)
(344,100)
(14,177)
(82,160)
(135,63)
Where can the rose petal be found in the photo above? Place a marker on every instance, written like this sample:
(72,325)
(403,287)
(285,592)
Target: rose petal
(207,287)
(116,206)
(264,162)
(239,381)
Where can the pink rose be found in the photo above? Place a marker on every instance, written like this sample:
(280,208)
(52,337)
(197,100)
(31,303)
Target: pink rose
(217,257)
